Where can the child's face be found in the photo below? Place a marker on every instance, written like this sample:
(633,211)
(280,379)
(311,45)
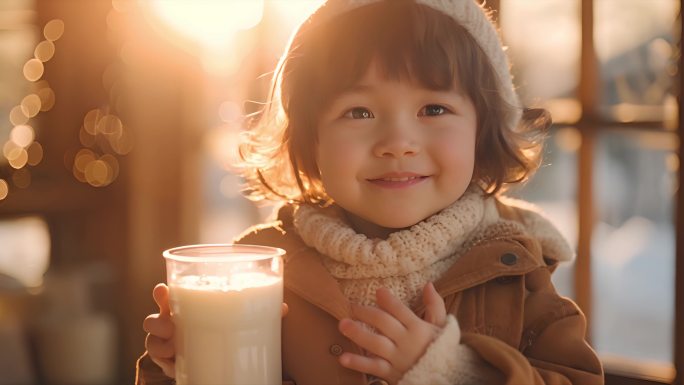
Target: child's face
(392,153)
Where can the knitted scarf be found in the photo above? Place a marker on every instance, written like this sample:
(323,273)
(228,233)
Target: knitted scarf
(410,258)
(406,260)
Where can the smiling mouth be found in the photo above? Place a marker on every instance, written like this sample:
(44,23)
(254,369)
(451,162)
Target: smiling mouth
(402,179)
(398,181)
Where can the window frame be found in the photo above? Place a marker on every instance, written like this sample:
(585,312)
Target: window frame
(590,125)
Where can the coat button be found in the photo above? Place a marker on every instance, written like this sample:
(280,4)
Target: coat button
(336,350)
(509,259)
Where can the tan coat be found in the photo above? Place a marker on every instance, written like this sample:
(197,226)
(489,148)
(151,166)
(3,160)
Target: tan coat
(500,292)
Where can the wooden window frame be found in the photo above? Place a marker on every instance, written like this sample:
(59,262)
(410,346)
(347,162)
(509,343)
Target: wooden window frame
(591,123)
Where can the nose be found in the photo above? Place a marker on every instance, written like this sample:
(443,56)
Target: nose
(396,143)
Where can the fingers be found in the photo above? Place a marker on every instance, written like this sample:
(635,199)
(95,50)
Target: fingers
(159,341)
(380,320)
(371,365)
(392,305)
(160,347)
(159,325)
(160,293)
(435,312)
(284,309)
(366,339)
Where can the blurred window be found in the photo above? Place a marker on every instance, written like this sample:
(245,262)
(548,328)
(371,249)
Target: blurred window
(620,191)
(633,244)
(544,43)
(637,64)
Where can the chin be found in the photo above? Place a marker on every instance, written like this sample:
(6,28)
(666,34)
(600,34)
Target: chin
(400,222)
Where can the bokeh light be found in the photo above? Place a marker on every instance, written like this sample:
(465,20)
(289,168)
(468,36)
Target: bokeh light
(31,105)
(113,165)
(4,189)
(91,120)
(97,173)
(18,157)
(47,98)
(109,124)
(22,135)
(35,153)
(44,51)
(54,29)
(8,148)
(33,70)
(83,158)
(17,116)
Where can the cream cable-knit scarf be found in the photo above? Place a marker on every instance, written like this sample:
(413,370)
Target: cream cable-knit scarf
(410,258)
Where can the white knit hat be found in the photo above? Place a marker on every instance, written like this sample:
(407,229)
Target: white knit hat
(471,16)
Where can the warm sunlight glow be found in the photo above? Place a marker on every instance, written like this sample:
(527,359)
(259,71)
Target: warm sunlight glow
(209,23)
(295,12)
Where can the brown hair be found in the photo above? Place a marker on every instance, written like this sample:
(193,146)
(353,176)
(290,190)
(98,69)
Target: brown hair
(408,41)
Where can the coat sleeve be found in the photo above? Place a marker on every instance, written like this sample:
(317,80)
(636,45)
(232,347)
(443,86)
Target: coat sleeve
(553,350)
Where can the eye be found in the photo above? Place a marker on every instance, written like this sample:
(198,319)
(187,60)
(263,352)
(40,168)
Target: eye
(433,110)
(359,113)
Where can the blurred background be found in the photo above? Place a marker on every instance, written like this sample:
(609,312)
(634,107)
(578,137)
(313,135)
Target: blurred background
(119,118)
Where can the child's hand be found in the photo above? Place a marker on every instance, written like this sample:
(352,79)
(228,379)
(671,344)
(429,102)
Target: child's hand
(159,342)
(160,328)
(401,337)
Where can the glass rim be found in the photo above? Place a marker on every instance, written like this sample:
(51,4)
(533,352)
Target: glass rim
(222,252)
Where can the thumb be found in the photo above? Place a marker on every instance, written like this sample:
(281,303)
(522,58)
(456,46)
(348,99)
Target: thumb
(160,293)
(435,311)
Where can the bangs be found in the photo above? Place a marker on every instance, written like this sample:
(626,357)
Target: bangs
(410,42)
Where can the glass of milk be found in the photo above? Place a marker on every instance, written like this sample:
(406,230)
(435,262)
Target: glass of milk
(226,306)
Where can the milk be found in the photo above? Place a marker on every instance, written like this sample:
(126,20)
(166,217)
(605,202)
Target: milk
(227,329)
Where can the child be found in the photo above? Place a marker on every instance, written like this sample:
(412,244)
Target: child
(391,130)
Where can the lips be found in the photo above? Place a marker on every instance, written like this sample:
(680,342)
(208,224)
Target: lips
(398,179)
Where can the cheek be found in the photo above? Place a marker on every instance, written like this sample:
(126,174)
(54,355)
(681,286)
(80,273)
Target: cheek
(336,158)
(456,153)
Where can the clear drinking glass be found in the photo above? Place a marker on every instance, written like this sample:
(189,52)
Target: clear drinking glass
(226,306)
